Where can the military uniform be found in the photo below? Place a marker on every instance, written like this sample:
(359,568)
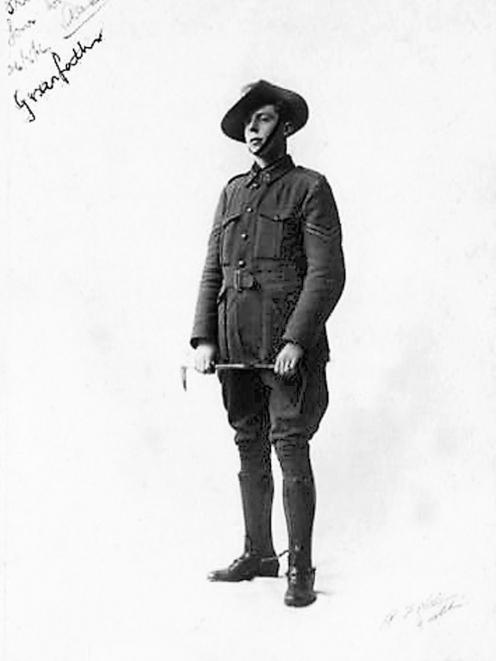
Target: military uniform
(274,268)
(273,273)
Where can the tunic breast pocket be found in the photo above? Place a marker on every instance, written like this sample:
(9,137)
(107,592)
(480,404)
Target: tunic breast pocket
(277,234)
(228,238)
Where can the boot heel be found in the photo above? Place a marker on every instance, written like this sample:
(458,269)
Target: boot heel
(300,590)
(269,567)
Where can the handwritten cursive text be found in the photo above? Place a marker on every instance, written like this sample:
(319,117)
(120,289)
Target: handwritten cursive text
(60,77)
(428,610)
(27,57)
(13,5)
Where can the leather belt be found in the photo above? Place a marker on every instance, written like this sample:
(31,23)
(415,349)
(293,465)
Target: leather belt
(241,279)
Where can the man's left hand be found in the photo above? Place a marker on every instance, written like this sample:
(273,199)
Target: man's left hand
(287,359)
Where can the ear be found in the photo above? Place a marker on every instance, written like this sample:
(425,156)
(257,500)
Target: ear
(288,129)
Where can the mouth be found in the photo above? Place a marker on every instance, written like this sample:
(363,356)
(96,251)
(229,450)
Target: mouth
(255,141)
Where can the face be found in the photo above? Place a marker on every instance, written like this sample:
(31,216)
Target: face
(259,127)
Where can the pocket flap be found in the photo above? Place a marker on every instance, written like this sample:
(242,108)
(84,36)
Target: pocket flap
(231,218)
(280,215)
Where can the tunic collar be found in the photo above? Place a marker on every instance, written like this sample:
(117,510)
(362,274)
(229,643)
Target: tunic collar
(272,172)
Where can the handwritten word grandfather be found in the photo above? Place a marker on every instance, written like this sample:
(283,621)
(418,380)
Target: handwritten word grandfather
(36,94)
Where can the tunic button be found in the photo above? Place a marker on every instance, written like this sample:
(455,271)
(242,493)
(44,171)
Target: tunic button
(249,209)
(244,236)
(241,262)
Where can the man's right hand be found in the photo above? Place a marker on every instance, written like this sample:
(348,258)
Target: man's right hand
(204,357)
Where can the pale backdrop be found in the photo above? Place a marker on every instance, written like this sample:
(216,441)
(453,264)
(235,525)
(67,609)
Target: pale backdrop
(119,490)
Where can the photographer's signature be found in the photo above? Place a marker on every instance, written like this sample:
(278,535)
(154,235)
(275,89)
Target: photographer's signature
(425,611)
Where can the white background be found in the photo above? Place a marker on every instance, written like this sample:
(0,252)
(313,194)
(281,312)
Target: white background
(119,490)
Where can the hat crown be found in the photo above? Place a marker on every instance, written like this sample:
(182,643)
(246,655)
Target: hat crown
(249,86)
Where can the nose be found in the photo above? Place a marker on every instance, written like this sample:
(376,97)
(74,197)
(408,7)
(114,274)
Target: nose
(252,125)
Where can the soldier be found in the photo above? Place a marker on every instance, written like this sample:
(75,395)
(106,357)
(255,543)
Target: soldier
(274,272)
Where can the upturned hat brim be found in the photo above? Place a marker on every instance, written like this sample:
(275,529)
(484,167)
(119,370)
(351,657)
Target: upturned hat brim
(259,94)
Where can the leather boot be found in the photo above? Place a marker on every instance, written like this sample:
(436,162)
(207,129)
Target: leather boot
(300,590)
(259,557)
(245,568)
(299,509)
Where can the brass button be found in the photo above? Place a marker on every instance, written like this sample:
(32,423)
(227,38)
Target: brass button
(244,236)
(241,262)
(249,209)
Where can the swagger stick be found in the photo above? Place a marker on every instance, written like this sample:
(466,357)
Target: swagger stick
(227,366)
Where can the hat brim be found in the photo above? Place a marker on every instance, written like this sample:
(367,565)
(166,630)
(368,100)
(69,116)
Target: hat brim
(263,93)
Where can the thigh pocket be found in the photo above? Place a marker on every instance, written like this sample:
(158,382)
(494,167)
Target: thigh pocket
(280,306)
(221,323)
